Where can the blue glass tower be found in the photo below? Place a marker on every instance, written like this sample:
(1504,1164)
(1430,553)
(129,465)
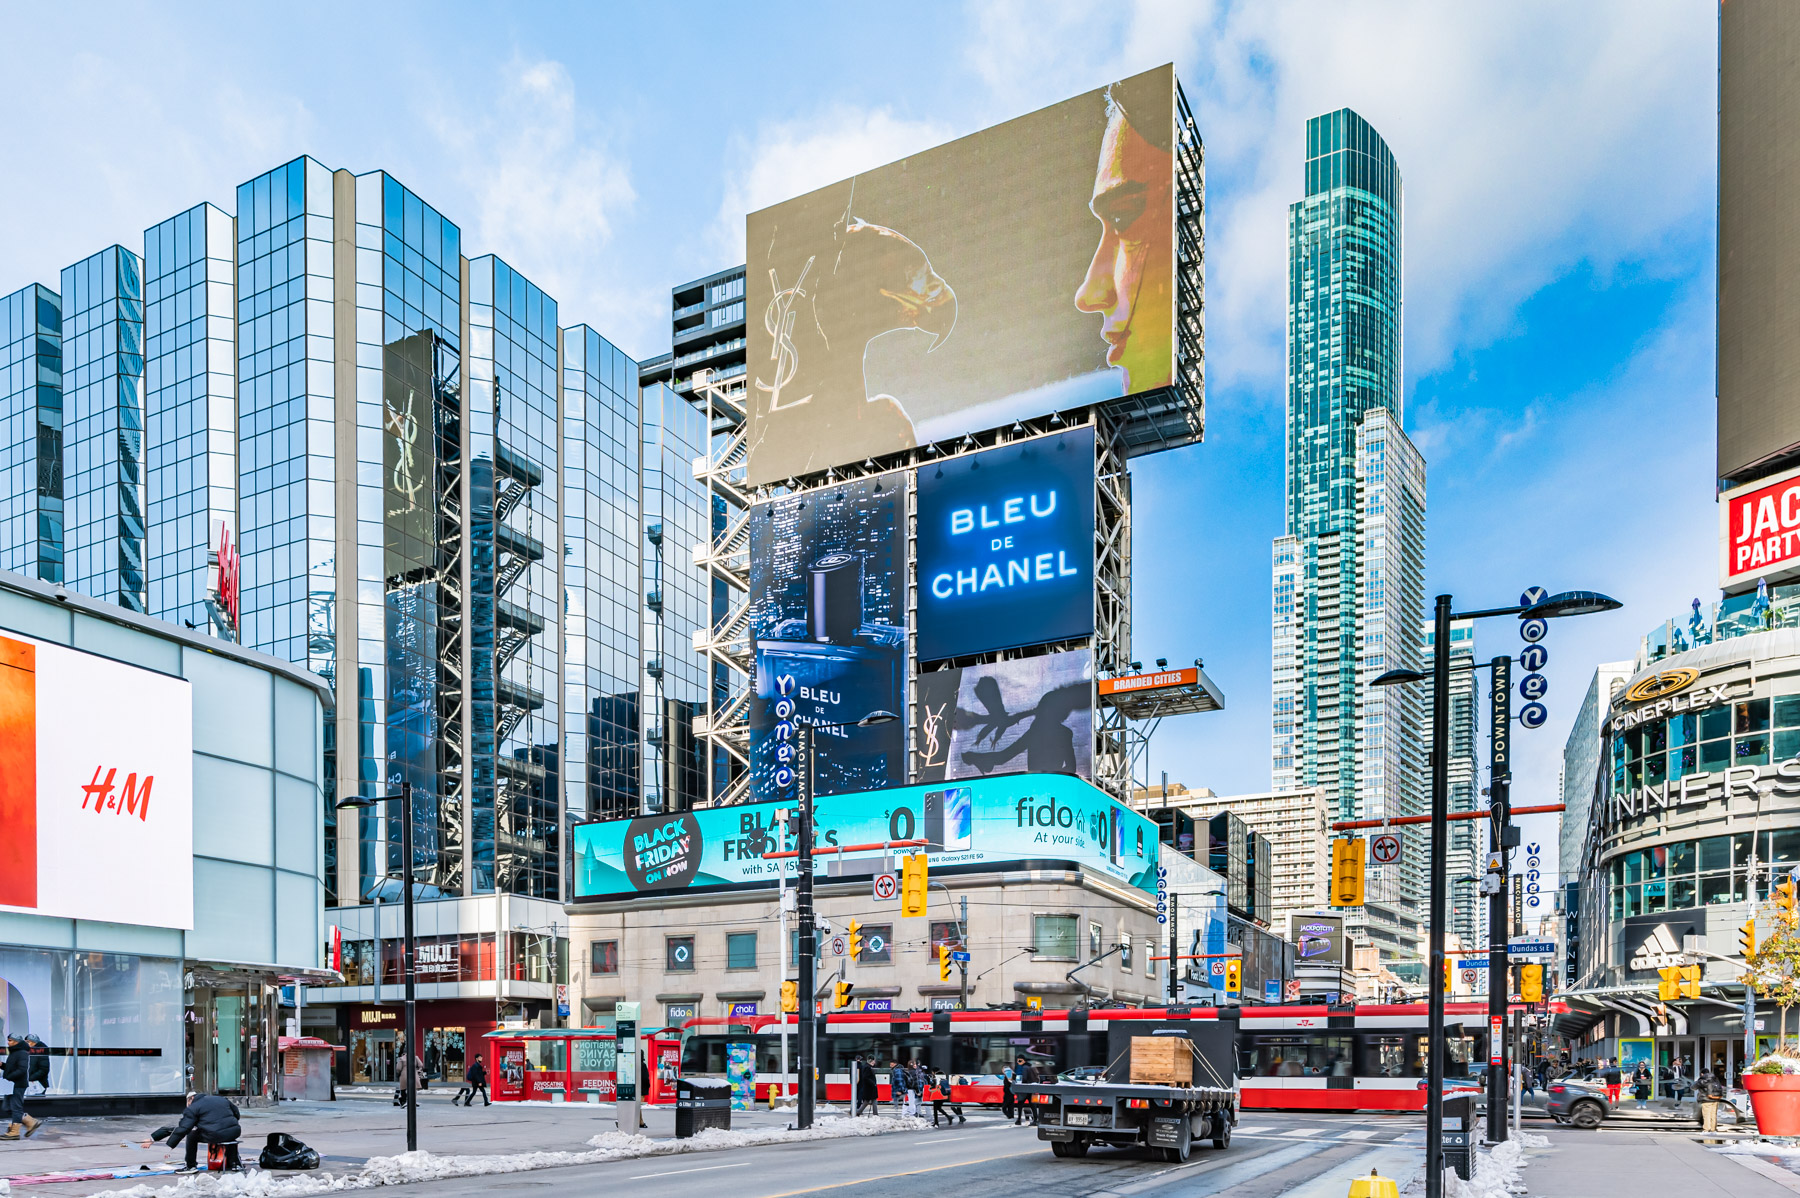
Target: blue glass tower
(677,601)
(103,427)
(31,433)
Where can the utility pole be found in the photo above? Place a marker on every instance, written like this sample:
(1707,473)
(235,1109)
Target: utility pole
(962,934)
(1499,823)
(1440,809)
(803,737)
(1174,954)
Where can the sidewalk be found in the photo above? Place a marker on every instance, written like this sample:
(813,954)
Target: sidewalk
(346,1134)
(1585,1164)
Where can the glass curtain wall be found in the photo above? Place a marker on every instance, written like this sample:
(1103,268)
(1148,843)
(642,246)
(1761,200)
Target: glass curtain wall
(601,431)
(103,396)
(31,434)
(190,405)
(514,418)
(677,601)
(286,464)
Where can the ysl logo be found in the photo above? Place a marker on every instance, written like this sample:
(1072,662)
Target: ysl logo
(929,727)
(405,428)
(778,321)
(132,800)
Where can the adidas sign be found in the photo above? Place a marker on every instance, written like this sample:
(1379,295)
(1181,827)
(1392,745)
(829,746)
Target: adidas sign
(1660,950)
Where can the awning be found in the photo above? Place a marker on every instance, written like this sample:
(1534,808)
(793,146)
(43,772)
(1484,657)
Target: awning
(215,972)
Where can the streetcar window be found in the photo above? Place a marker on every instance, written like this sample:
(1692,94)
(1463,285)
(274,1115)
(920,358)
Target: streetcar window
(838,1051)
(703,1054)
(1385,1056)
(980,1055)
(1300,1056)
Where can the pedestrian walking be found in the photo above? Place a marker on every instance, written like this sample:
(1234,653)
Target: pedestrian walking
(915,1088)
(1612,1079)
(868,1090)
(1709,1092)
(1526,1083)
(897,1085)
(1008,1100)
(1640,1084)
(17,1071)
(940,1088)
(1021,1075)
(475,1079)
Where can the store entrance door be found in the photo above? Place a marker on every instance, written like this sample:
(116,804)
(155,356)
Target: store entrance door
(374,1056)
(228,1043)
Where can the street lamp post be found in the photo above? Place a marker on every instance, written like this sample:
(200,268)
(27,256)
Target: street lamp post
(1567,603)
(411,1084)
(803,905)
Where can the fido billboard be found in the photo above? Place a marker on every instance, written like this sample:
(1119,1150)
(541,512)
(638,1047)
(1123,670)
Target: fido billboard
(1022,270)
(972,825)
(96,788)
(1006,547)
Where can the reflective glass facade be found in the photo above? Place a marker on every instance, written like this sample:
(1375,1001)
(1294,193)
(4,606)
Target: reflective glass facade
(190,405)
(103,427)
(31,434)
(677,601)
(601,563)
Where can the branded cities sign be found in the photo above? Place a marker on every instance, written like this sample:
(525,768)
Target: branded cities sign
(96,788)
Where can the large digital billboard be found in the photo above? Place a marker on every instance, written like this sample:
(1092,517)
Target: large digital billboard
(1006,547)
(1032,714)
(828,631)
(971,826)
(1022,270)
(96,788)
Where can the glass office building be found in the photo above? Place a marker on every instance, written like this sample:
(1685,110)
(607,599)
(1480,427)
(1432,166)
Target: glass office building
(31,433)
(677,515)
(190,410)
(1347,576)
(103,427)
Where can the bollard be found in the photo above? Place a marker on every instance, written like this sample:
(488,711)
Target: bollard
(1374,1186)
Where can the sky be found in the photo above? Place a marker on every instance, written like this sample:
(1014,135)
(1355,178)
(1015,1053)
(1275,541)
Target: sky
(1559,251)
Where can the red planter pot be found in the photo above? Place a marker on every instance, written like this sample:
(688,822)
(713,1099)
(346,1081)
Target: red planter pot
(1775,1098)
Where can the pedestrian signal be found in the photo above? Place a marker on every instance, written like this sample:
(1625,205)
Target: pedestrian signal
(1234,976)
(855,936)
(1347,872)
(912,885)
(1531,983)
(790,997)
(840,994)
(1785,909)
(1747,940)
(1670,986)
(943,962)
(1690,981)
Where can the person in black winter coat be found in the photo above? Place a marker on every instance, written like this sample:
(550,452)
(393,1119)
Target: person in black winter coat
(475,1079)
(17,1071)
(209,1119)
(868,1090)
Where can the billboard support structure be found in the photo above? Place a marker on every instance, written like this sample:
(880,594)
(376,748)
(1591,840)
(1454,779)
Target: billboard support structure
(1112,599)
(726,729)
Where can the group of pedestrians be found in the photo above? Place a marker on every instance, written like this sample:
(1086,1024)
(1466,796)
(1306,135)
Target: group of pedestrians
(908,1085)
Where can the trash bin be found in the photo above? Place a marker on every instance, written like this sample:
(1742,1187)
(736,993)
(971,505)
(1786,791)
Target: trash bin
(700,1103)
(1459,1133)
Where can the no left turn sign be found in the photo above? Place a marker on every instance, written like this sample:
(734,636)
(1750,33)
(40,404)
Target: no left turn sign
(1385,849)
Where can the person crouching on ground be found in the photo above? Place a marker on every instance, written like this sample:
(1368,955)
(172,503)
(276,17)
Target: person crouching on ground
(208,1119)
(17,1071)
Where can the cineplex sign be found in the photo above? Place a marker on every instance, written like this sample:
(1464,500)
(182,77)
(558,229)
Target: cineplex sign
(1668,693)
(1782,779)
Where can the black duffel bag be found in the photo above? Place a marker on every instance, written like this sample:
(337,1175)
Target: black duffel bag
(285,1152)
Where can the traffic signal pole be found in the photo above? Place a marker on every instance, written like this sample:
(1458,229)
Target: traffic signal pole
(808,929)
(1440,806)
(1499,784)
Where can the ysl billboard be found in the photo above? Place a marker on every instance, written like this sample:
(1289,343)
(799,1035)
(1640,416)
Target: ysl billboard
(1034,714)
(1006,547)
(1025,269)
(828,632)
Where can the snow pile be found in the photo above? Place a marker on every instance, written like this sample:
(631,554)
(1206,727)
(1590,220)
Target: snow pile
(1757,1148)
(411,1167)
(1497,1174)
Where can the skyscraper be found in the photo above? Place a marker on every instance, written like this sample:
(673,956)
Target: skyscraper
(31,433)
(1468,838)
(1347,575)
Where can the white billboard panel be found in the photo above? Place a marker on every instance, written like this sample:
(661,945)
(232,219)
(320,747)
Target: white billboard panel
(96,787)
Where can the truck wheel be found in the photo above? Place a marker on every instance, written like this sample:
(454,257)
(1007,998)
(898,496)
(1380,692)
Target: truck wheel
(1078,1147)
(1181,1154)
(1058,1148)
(1222,1134)
(1587,1115)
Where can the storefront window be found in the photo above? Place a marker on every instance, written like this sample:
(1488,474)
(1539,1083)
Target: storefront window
(1752,716)
(128,1009)
(1054,936)
(1753,750)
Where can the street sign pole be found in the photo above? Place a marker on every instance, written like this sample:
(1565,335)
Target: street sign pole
(962,931)
(1174,953)
(1499,779)
(809,933)
(1440,809)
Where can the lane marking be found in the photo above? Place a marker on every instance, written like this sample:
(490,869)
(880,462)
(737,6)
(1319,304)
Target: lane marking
(1361,1133)
(946,1139)
(700,1169)
(1305,1131)
(838,1185)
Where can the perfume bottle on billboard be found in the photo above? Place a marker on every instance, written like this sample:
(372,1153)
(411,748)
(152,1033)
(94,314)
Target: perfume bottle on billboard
(835,668)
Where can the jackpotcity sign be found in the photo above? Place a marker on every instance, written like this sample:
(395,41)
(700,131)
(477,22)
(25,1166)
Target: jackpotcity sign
(1759,530)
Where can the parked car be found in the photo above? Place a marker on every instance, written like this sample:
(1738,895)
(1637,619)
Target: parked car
(1082,1073)
(1581,1103)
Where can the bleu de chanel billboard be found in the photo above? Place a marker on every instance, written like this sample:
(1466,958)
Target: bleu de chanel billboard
(828,632)
(1006,547)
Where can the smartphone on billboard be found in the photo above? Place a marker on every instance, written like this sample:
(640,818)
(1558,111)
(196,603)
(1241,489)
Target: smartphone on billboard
(949,818)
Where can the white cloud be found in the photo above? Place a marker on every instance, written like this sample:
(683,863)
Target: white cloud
(793,157)
(546,192)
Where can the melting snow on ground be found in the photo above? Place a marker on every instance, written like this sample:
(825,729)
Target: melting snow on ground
(1498,1173)
(427,1166)
(1758,1147)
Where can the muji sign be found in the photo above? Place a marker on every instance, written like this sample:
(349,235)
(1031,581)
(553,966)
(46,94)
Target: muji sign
(96,788)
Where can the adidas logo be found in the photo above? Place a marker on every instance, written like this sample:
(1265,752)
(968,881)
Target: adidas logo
(1660,950)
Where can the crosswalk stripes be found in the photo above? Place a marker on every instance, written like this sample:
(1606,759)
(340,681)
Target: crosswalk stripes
(1361,1133)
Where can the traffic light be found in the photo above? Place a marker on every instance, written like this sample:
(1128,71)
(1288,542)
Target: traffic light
(943,962)
(840,994)
(790,997)
(1446,975)
(1531,983)
(912,885)
(1690,981)
(1347,872)
(1785,910)
(855,937)
(1670,985)
(1747,940)
(1234,976)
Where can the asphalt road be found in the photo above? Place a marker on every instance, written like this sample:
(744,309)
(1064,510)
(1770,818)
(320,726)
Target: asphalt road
(1296,1156)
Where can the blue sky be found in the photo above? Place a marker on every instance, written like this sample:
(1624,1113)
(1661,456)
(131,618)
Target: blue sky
(1559,233)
